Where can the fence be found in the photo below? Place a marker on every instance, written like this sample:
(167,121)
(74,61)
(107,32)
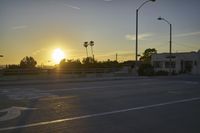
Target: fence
(57,71)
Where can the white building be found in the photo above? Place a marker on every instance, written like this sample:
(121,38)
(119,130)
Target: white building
(188,62)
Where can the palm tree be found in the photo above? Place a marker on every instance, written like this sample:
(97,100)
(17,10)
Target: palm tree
(86,45)
(92,44)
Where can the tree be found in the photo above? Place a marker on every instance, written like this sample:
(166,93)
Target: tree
(28,62)
(88,60)
(62,63)
(146,57)
(70,63)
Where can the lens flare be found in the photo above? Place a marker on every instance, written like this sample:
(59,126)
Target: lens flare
(58,55)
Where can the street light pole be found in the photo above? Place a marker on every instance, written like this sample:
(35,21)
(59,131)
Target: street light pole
(136,47)
(170,51)
(170,44)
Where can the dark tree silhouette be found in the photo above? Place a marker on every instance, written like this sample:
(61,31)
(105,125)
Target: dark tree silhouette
(146,57)
(146,70)
(70,63)
(12,66)
(88,60)
(28,62)
(62,62)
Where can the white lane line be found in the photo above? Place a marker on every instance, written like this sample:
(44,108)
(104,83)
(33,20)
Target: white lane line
(99,114)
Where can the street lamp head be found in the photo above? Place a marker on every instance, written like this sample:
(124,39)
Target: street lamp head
(159,18)
(144,4)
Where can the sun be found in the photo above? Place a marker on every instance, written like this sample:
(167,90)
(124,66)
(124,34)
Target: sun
(58,55)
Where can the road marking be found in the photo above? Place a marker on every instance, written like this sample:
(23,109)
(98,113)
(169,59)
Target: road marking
(100,114)
(13,112)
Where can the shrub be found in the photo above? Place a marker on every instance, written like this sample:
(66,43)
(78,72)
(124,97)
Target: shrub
(146,70)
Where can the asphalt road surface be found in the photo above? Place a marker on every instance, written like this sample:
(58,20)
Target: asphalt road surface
(148,105)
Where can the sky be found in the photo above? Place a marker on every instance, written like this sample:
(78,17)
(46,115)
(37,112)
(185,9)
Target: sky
(37,27)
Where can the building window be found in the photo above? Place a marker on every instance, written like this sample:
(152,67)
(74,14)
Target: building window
(167,64)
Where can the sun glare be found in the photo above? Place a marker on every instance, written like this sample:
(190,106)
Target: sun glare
(58,55)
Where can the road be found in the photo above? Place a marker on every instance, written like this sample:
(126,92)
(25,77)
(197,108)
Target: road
(153,105)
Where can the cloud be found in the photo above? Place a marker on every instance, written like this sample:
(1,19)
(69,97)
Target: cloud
(73,7)
(19,27)
(141,36)
(187,34)
(108,0)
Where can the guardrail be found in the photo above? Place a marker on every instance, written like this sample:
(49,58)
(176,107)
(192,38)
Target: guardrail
(58,71)
(20,71)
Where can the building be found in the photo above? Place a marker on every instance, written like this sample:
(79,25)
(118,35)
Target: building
(188,62)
